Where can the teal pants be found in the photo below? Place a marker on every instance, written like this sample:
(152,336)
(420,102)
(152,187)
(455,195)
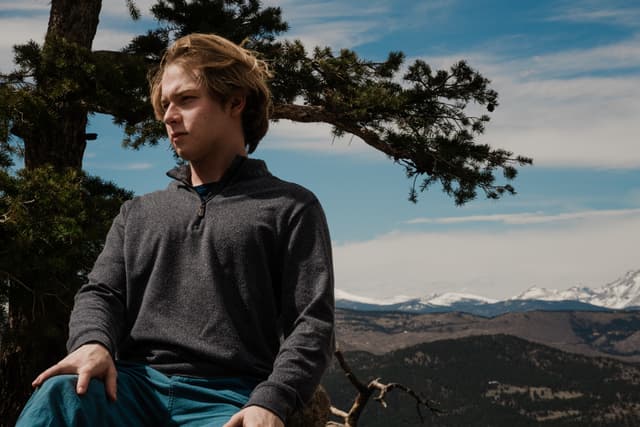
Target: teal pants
(146,397)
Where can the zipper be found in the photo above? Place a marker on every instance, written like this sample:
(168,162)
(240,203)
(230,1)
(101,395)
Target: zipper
(201,210)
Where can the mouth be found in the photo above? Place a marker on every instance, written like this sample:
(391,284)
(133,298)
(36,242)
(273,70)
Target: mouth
(175,135)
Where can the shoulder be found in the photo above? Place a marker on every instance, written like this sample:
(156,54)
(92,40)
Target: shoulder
(257,180)
(292,190)
(155,200)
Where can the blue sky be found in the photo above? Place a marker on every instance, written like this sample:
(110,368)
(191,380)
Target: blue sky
(568,75)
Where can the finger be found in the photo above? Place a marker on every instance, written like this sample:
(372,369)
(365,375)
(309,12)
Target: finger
(56,369)
(235,421)
(83,382)
(111,383)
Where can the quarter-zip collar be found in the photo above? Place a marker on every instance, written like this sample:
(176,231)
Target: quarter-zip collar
(241,168)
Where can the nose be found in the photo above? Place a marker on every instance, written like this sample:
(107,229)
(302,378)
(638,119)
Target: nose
(171,115)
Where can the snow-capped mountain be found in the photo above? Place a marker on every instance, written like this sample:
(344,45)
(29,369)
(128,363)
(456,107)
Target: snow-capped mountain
(623,293)
(619,294)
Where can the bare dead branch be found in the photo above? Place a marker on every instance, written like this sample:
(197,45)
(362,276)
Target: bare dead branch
(352,417)
(338,412)
(420,401)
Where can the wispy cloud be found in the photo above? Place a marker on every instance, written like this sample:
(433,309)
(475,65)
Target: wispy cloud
(609,58)
(528,218)
(340,24)
(607,11)
(332,23)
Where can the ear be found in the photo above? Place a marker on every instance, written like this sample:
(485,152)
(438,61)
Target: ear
(236,103)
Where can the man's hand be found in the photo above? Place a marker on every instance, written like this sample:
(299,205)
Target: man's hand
(88,361)
(254,416)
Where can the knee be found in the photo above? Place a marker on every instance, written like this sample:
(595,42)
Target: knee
(59,385)
(47,405)
(63,388)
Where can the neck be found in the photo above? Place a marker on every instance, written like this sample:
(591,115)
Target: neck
(213,168)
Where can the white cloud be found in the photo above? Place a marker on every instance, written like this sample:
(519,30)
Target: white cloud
(495,264)
(588,122)
(14,31)
(33,26)
(26,7)
(528,217)
(563,120)
(314,137)
(107,39)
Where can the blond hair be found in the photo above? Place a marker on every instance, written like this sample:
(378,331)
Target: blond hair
(224,68)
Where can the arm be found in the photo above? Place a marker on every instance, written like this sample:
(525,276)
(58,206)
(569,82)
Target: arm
(99,310)
(307,315)
(96,320)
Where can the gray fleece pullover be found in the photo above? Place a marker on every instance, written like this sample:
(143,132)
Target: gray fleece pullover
(240,284)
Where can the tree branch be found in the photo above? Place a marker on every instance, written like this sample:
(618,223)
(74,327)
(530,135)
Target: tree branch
(352,417)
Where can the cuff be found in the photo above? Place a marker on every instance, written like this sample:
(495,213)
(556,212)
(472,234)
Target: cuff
(279,399)
(89,338)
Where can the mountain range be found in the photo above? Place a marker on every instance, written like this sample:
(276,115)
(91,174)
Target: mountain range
(621,294)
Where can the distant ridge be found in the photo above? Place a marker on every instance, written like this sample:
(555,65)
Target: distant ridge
(621,294)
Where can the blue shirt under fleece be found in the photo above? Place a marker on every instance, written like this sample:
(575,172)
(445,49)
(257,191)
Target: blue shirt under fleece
(236,284)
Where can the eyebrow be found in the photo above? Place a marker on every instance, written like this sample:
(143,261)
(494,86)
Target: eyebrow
(180,92)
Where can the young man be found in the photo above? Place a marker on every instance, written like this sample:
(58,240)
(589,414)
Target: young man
(215,296)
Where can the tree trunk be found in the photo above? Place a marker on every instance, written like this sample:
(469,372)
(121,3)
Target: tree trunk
(61,147)
(61,141)
(36,329)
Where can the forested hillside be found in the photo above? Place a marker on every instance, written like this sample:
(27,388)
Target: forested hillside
(495,380)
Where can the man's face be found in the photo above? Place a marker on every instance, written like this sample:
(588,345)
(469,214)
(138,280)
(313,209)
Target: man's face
(198,125)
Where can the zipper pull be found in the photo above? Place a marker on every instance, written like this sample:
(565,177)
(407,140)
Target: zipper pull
(201,210)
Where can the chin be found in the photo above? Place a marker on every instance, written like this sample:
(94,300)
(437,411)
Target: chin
(184,155)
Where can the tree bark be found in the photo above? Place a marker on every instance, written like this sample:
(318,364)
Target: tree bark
(62,141)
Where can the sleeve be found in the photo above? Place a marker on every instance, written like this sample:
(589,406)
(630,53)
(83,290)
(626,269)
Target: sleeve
(98,313)
(307,316)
